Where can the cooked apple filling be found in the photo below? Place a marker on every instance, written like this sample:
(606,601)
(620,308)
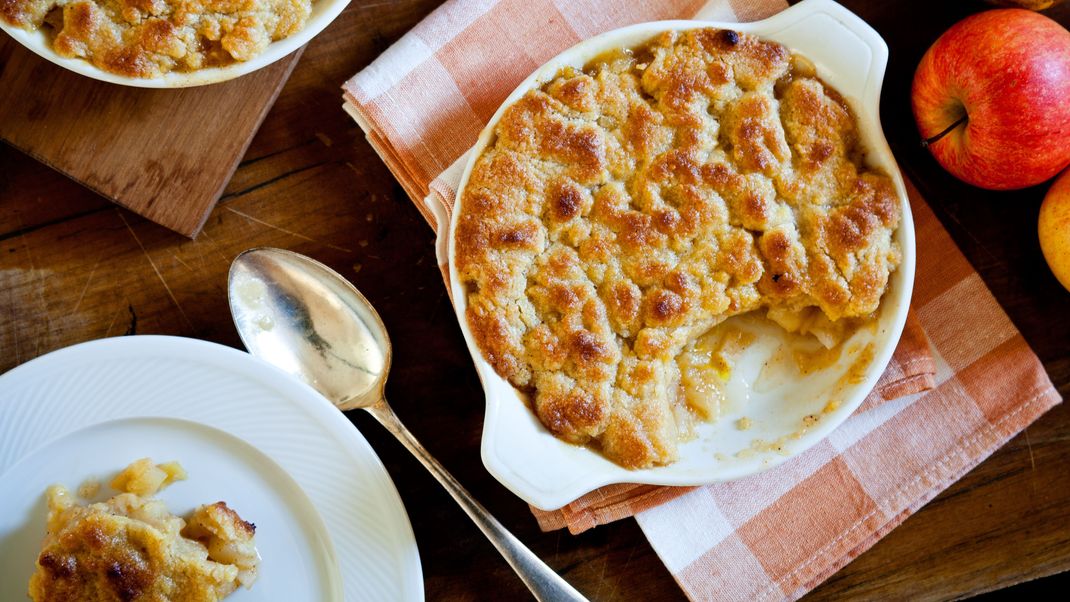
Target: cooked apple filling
(627,208)
(131,547)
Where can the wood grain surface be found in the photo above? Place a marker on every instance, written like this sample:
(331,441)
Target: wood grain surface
(73,267)
(164,154)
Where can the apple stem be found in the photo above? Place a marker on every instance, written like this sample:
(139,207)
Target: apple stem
(961,120)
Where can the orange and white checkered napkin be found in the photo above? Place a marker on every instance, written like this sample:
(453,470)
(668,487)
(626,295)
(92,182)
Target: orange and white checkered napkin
(961,383)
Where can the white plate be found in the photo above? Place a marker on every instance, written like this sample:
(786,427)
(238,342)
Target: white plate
(851,57)
(330,524)
(323,12)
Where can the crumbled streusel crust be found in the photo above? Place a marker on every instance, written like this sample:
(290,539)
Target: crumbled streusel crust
(627,208)
(148,38)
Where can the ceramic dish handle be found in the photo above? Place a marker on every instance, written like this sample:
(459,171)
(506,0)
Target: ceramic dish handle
(544,583)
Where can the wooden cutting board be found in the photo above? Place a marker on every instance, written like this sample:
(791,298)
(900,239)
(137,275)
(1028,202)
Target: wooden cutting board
(164,154)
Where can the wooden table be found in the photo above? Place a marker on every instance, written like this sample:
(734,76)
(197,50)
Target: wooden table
(74,267)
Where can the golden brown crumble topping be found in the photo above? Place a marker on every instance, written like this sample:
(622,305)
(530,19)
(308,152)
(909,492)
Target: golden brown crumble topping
(148,38)
(131,547)
(625,209)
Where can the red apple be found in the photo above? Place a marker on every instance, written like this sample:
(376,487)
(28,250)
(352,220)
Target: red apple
(992,99)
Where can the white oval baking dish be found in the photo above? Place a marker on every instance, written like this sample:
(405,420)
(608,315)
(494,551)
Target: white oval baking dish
(548,473)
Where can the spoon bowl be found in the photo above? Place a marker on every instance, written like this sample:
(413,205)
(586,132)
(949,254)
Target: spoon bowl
(303,317)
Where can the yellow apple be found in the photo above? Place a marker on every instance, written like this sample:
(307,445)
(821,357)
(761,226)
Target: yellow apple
(1054,228)
(1030,4)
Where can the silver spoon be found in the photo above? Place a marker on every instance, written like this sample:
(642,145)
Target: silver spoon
(304,318)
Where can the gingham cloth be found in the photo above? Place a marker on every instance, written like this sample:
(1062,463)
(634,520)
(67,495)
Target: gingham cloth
(961,383)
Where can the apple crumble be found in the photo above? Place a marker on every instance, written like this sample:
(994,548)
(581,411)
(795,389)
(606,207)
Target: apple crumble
(148,38)
(131,547)
(625,209)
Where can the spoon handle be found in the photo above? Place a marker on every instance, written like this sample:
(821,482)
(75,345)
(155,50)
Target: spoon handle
(544,583)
